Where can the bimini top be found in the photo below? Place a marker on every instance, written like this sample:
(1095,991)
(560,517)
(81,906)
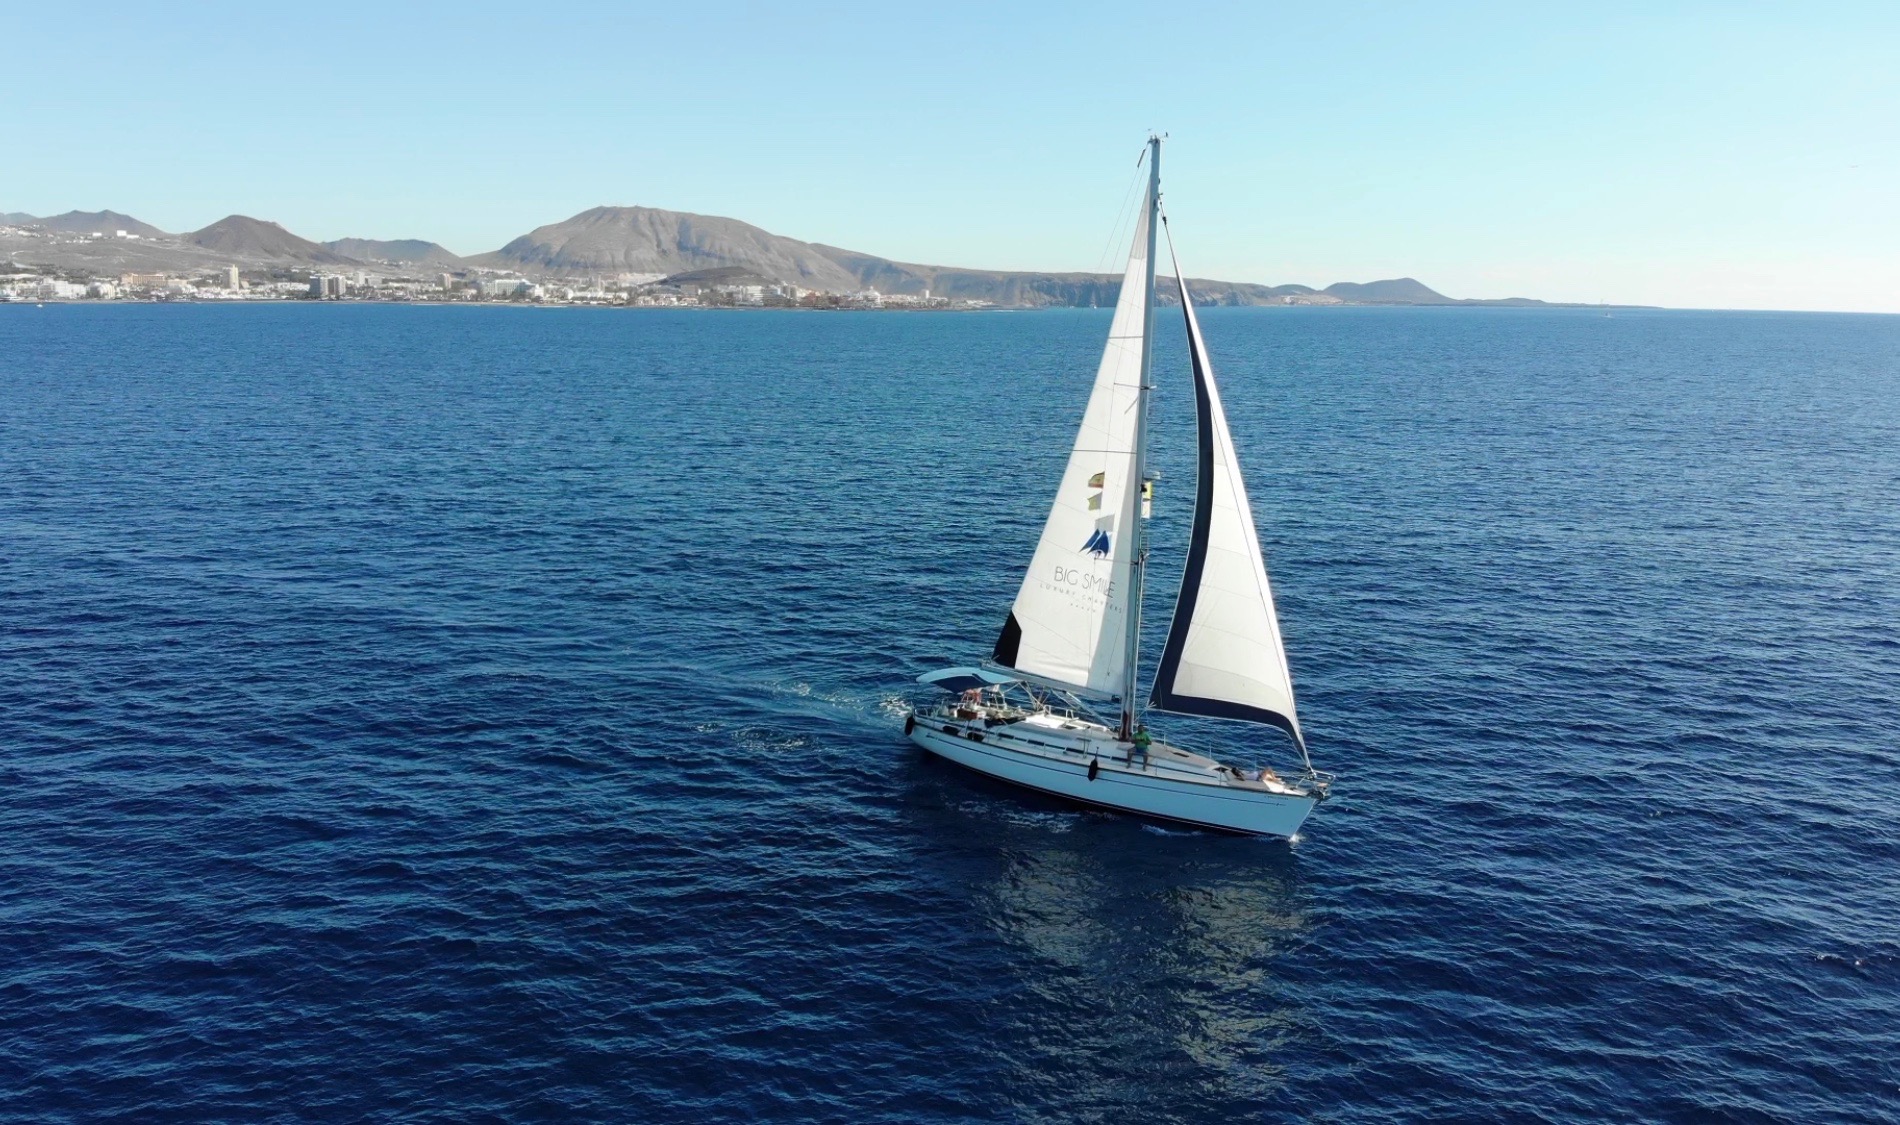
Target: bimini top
(966,679)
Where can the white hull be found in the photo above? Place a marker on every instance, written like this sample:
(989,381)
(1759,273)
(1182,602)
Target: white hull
(1052,754)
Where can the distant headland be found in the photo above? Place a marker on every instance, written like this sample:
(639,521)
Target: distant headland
(607,255)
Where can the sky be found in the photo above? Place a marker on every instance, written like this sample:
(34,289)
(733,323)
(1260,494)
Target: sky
(1729,155)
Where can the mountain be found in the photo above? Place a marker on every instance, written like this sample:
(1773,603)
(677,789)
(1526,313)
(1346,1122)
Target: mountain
(240,236)
(100,222)
(649,241)
(401,251)
(1396,291)
(652,241)
(1408,291)
(677,245)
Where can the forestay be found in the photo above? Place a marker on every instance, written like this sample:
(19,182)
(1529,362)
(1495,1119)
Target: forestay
(1069,621)
(1223,657)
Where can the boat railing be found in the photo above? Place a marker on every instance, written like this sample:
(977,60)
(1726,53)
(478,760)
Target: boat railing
(957,709)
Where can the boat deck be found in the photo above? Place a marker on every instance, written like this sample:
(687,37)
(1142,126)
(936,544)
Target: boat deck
(1078,739)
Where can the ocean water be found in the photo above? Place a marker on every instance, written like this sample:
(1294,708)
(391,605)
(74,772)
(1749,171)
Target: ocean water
(455,714)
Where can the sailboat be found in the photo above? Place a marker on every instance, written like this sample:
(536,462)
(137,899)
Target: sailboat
(1071,643)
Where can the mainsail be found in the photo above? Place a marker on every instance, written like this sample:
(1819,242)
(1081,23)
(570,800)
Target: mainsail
(1223,657)
(1069,623)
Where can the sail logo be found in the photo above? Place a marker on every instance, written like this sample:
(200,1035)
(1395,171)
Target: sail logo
(1098,544)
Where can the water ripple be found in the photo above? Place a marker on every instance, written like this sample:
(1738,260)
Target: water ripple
(489,714)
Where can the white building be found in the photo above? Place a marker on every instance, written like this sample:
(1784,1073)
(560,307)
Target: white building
(501,288)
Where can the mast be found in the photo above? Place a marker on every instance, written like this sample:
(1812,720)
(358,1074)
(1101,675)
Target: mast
(1138,483)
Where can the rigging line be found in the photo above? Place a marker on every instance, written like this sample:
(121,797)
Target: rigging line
(1122,214)
(1106,257)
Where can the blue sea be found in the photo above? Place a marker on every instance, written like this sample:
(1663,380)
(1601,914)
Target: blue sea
(495,714)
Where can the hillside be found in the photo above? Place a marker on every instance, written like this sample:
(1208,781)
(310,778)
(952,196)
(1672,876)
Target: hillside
(1028,289)
(240,236)
(647,240)
(1018,288)
(1397,291)
(652,241)
(401,251)
(100,222)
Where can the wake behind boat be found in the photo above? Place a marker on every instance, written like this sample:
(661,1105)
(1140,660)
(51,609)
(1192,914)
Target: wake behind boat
(1073,634)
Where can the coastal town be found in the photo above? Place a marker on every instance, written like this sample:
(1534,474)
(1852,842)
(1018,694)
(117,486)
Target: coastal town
(233,285)
(641,291)
(73,278)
